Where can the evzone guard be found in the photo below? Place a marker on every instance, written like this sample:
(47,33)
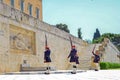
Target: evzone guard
(74,59)
(96,60)
(47,58)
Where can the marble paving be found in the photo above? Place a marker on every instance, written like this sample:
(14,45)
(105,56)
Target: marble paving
(64,75)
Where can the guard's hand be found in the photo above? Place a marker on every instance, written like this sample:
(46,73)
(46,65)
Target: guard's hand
(44,61)
(67,59)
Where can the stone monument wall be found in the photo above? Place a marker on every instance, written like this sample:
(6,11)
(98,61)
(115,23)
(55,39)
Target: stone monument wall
(22,37)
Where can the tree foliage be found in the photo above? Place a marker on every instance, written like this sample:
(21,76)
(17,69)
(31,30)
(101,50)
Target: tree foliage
(63,27)
(79,33)
(109,65)
(114,38)
(96,34)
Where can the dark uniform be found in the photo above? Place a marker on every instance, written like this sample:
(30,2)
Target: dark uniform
(73,57)
(47,56)
(77,61)
(47,59)
(96,58)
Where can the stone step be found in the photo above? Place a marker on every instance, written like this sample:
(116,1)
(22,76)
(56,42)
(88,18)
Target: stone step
(36,69)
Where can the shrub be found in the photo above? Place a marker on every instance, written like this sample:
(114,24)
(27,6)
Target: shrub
(103,65)
(108,65)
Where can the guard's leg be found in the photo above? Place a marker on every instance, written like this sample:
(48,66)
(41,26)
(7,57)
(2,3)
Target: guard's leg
(48,69)
(74,68)
(97,66)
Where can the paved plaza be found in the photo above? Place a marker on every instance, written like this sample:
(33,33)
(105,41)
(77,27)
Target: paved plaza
(64,75)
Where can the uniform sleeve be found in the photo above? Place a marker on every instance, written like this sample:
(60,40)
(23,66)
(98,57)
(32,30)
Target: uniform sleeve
(93,53)
(70,54)
(44,55)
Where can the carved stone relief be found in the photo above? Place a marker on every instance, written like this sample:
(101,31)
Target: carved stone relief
(22,40)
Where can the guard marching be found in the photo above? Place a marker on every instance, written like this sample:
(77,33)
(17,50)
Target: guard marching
(47,58)
(74,59)
(96,59)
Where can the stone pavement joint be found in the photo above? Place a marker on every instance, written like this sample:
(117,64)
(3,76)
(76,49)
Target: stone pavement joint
(42,72)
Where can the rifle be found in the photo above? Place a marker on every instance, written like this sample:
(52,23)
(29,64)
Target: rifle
(46,44)
(93,48)
(71,42)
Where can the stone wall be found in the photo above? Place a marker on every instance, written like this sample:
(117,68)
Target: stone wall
(111,54)
(23,38)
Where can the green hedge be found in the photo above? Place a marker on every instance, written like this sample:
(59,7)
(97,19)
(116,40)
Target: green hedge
(108,65)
